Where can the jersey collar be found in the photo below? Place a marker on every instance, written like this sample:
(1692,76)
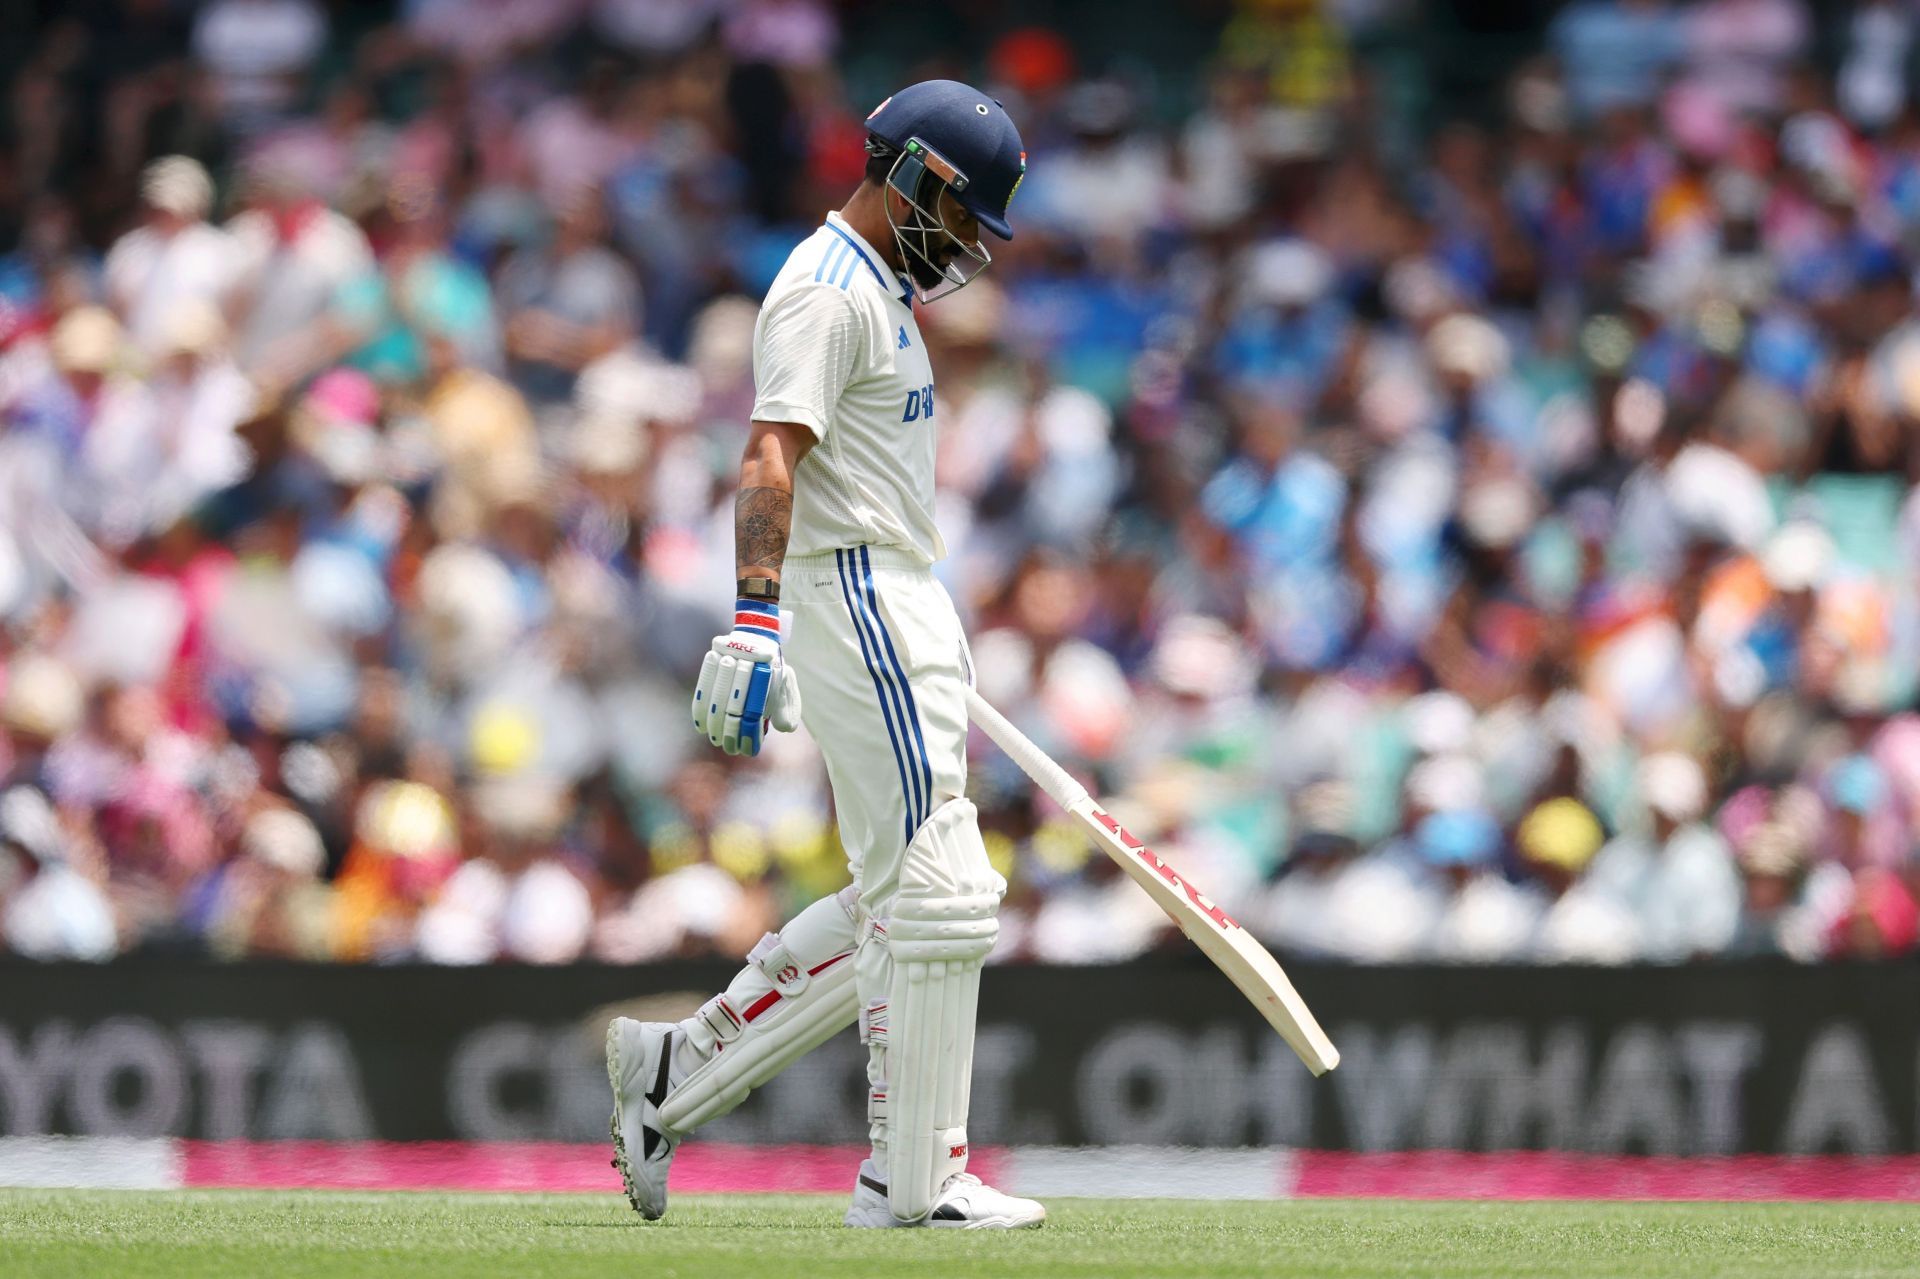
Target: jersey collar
(900,287)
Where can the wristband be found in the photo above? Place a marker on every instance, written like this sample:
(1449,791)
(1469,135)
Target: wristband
(757,617)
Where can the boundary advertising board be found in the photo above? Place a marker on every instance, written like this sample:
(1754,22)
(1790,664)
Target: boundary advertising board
(1704,1060)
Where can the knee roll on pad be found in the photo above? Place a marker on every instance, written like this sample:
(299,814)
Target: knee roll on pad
(796,992)
(939,932)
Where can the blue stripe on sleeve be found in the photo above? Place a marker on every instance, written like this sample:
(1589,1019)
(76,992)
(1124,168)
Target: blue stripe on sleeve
(864,258)
(830,259)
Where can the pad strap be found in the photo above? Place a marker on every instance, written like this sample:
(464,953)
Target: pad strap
(722,1019)
(873,1024)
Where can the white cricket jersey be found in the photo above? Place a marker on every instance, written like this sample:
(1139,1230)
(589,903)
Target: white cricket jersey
(836,350)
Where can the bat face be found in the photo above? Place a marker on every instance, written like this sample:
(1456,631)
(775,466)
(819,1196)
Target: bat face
(1233,950)
(1200,900)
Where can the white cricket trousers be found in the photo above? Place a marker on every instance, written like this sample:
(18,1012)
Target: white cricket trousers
(884,671)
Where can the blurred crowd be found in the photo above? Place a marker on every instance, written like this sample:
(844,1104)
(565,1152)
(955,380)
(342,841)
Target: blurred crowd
(1488,537)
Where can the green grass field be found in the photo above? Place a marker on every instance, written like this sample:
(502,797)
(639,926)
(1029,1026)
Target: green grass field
(132,1235)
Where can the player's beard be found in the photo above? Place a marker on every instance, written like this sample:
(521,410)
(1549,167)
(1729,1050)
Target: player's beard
(922,251)
(936,258)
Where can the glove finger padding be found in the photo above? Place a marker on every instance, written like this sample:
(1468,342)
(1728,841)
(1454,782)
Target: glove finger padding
(753,711)
(719,699)
(733,710)
(706,691)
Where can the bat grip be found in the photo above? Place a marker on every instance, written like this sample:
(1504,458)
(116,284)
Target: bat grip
(1034,762)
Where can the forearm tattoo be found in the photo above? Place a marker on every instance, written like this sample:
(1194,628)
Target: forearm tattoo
(762,519)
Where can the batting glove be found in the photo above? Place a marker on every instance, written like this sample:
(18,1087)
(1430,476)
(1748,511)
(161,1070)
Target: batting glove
(745,684)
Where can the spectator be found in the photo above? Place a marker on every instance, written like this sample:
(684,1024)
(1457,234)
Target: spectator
(421,292)
(797,34)
(1294,914)
(1873,81)
(1678,874)
(1737,51)
(49,908)
(1486,918)
(1587,922)
(657,27)
(255,52)
(566,304)
(574,144)
(1615,52)
(268,901)
(173,256)
(83,415)
(189,447)
(294,256)
(1113,184)
(1772,868)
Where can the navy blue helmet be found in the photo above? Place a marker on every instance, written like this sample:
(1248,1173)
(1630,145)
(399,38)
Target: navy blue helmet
(961,136)
(941,138)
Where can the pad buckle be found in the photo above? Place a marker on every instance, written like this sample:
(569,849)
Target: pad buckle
(785,973)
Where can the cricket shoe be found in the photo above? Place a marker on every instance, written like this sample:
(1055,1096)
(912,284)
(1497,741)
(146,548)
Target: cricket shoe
(964,1203)
(639,1055)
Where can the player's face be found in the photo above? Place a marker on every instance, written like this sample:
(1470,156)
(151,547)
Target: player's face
(938,237)
(960,223)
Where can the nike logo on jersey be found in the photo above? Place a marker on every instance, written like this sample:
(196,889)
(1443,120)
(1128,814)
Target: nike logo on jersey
(904,344)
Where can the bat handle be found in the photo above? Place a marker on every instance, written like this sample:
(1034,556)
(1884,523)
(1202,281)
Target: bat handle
(1034,762)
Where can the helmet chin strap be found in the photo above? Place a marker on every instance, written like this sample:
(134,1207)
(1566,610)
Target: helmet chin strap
(916,239)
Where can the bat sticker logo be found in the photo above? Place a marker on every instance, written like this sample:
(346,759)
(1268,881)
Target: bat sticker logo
(1166,872)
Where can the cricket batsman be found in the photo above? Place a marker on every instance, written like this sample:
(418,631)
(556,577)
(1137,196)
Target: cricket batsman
(834,536)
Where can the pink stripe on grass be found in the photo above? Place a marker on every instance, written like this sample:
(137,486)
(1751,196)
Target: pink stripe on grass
(400,1165)
(1525,1174)
(699,1167)
(720,1169)
(702,1167)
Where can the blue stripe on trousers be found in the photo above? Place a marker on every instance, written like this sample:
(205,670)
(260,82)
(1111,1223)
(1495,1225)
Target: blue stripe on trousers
(873,671)
(913,711)
(901,694)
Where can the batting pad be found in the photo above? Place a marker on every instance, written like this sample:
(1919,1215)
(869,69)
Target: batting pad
(796,992)
(941,927)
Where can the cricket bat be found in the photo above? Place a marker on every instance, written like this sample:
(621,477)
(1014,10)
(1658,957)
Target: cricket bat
(1232,950)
